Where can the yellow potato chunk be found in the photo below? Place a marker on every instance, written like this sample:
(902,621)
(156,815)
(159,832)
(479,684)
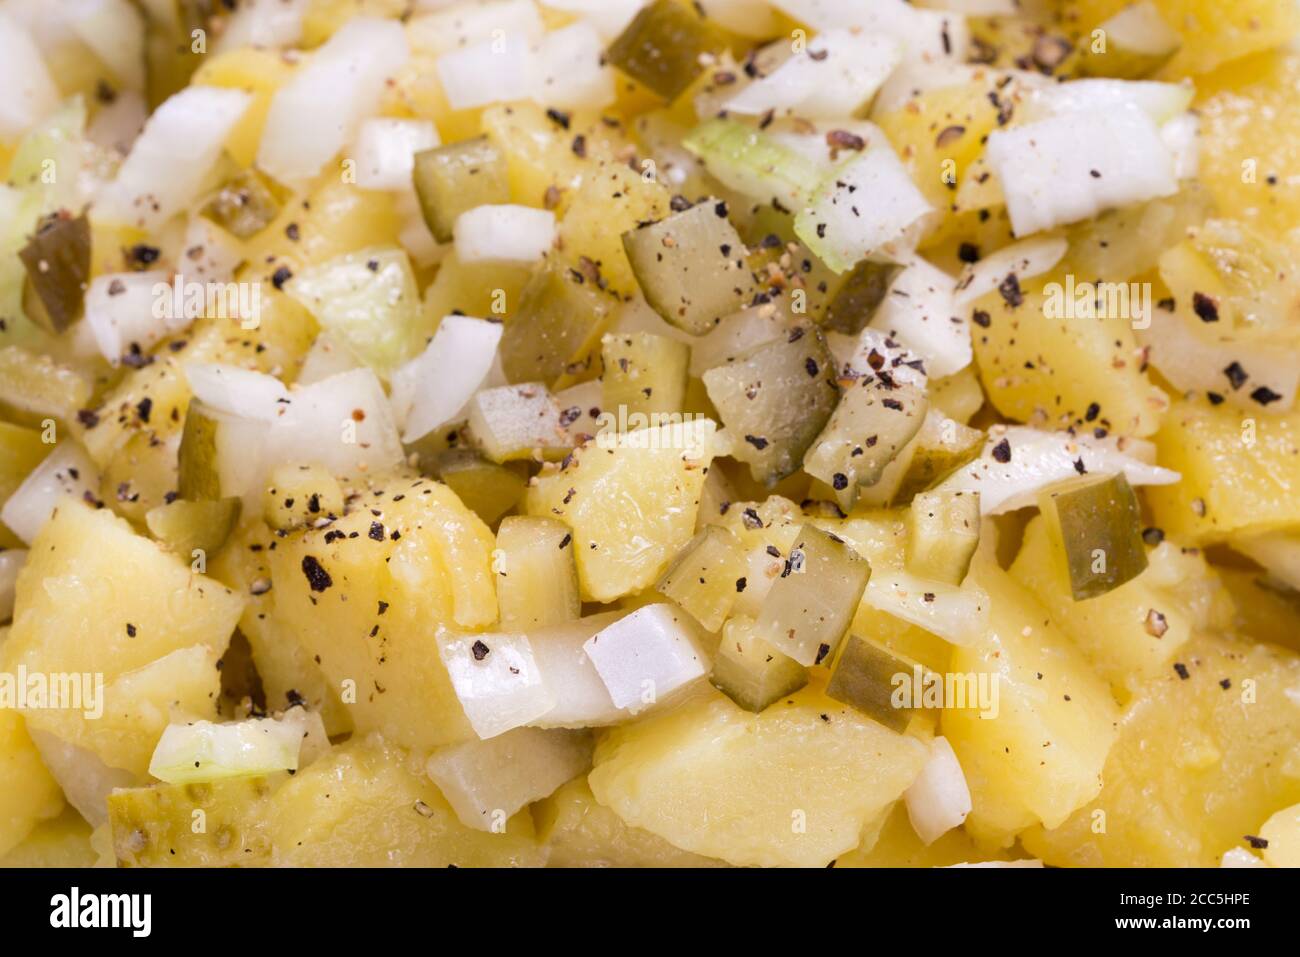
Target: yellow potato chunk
(30,794)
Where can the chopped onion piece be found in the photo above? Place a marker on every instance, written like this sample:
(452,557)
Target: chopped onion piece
(317,112)
(1024,260)
(343,423)
(385,151)
(920,311)
(927,35)
(204,751)
(1018,461)
(434,388)
(67,470)
(209,254)
(497,680)
(170,160)
(1072,166)
(86,781)
(569,69)
(325,358)
(466,24)
(505,233)
(834,77)
(958,614)
(114,31)
(871,351)
(1240,857)
(11,563)
(486,782)
(735,335)
(239,392)
(973,8)
(493,71)
(644,657)
(117,125)
(132,309)
(29,91)
(1160,101)
(581,698)
(1277,552)
(939,799)
(1182,136)
(270,24)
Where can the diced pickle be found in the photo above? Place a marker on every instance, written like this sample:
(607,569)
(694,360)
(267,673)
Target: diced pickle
(298,495)
(185,527)
(155,826)
(1136,42)
(707,575)
(511,421)
(34,386)
(774,400)
(866,678)
(751,161)
(1095,526)
(691,266)
(457,177)
(811,605)
(557,328)
(57,260)
(941,447)
(875,419)
(243,205)
(198,477)
(663,45)
(750,671)
(943,531)
(489,490)
(140,475)
(643,373)
(860,292)
(537,577)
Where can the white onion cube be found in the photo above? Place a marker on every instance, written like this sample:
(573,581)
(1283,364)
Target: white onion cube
(496,679)
(939,799)
(506,233)
(581,698)
(385,151)
(434,387)
(647,655)
(67,471)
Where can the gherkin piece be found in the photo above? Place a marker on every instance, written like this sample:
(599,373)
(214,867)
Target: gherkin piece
(941,447)
(706,576)
(457,177)
(1095,525)
(691,266)
(57,260)
(866,678)
(876,417)
(663,45)
(750,671)
(185,527)
(810,607)
(198,478)
(537,576)
(244,205)
(643,373)
(33,386)
(557,328)
(859,293)
(775,400)
(1136,43)
(489,490)
(943,531)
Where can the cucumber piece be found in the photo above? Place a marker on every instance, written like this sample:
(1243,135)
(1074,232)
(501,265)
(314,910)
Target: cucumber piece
(643,373)
(33,385)
(775,400)
(865,678)
(876,418)
(943,531)
(941,447)
(559,323)
(185,526)
(811,605)
(857,296)
(537,577)
(706,576)
(452,179)
(489,490)
(1138,43)
(750,671)
(139,475)
(1095,525)
(243,205)
(749,161)
(512,421)
(198,477)
(57,260)
(664,47)
(736,335)
(691,266)
(299,495)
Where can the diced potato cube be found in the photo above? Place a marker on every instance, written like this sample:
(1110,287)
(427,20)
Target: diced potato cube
(300,495)
(537,579)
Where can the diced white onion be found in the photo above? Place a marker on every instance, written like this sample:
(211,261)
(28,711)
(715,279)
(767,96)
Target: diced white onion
(209,253)
(497,680)
(1073,166)
(1240,857)
(29,91)
(1039,459)
(204,751)
(939,799)
(86,781)
(243,393)
(581,698)
(414,234)
(385,151)
(270,24)
(464,25)
(926,34)
(644,657)
(434,388)
(1159,101)
(920,311)
(114,31)
(1024,260)
(1182,135)
(486,782)
(491,71)
(131,309)
(66,471)
(569,69)
(170,160)
(325,358)
(506,233)
(343,423)
(860,355)
(957,614)
(317,112)
(11,563)
(973,8)
(117,125)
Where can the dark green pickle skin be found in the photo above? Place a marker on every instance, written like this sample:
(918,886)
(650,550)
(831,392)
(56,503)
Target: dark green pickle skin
(1091,515)
(661,47)
(863,679)
(57,260)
